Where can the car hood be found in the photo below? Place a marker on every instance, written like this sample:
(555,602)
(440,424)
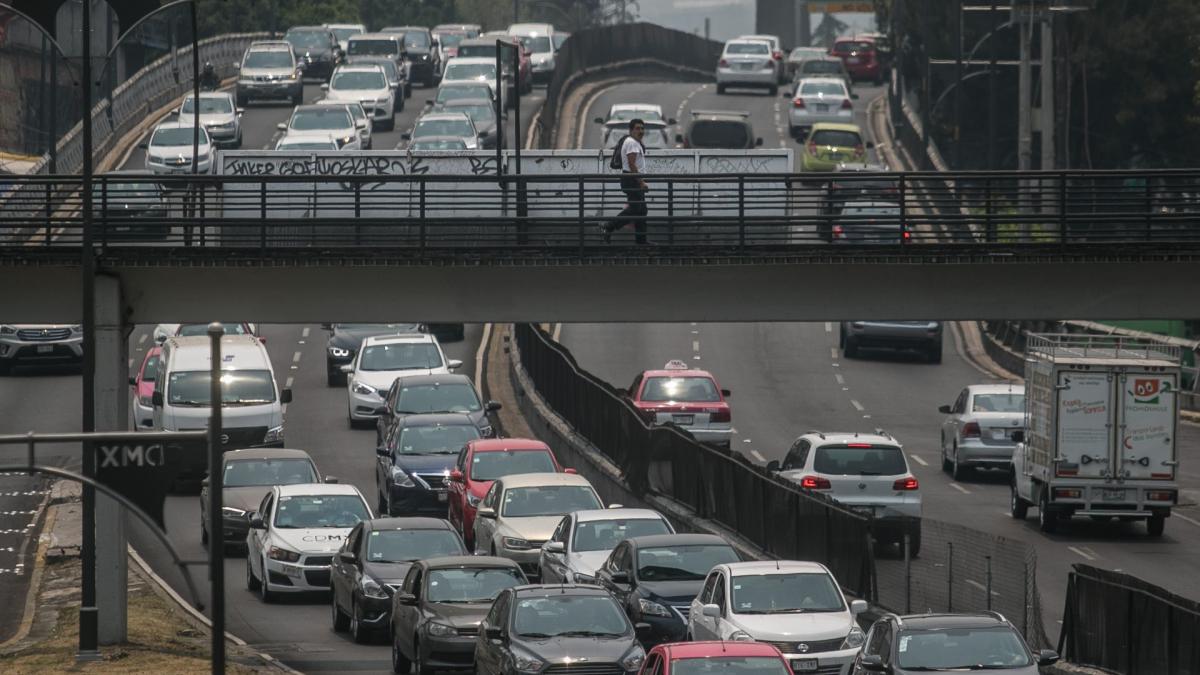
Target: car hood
(281,73)
(557,650)
(245,498)
(382,379)
(460,615)
(175,151)
(478,417)
(427,463)
(588,562)
(536,528)
(674,592)
(212,119)
(356,95)
(322,133)
(388,573)
(797,627)
(312,540)
(352,339)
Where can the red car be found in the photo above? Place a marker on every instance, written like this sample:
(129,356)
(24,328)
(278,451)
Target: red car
(861,56)
(687,397)
(143,389)
(483,461)
(715,658)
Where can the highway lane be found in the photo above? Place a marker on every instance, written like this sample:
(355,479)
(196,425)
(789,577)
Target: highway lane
(788,378)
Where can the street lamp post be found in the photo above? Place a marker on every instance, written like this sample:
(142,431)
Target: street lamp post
(88,615)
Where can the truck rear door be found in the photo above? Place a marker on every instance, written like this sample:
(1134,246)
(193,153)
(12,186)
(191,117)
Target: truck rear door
(1085,437)
(1146,425)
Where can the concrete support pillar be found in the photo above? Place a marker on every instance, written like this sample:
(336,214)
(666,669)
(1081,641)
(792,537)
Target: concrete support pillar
(112,414)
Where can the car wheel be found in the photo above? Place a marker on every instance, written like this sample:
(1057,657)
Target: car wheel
(381,505)
(5,367)
(935,353)
(399,107)
(957,471)
(358,631)
(850,347)
(400,664)
(720,90)
(264,593)
(422,667)
(773,90)
(241,100)
(252,581)
(1017,507)
(1155,525)
(841,337)
(340,621)
(1047,519)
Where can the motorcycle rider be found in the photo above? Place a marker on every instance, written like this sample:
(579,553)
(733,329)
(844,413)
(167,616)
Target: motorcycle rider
(208,77)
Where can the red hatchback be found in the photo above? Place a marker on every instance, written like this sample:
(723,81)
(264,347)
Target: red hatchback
(484,460)
(861,57)
(715,658)
(143,389)
(686,397)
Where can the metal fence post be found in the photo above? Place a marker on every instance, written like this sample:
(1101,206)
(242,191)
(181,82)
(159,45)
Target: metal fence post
(903,187)
(1028,607)
(1062,207)
(203,212)
(741,212)
(907,573)
(988,590)
(949,576)
(989,214)
(1149,197)
(421,226)
(262,212)
(357,213)
(103,213)
(580,217)
(49,211)
(670,211)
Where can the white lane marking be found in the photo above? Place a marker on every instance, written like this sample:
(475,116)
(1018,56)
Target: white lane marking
(828,326)
(304,333)
(130,363)
(857,406)
(1190,520)
(981,587)
(1080,552)
(782,143)
(288,383)
(695,332)
(296,357)
(483,345)
(839,378)
(696,357)
(833,352)
(695,345)
(918,460)
(143,338)
(835,365)
(960,488)
(758,456)
(866,417)
(557,331)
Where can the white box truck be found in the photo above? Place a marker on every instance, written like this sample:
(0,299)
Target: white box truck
(1100,425)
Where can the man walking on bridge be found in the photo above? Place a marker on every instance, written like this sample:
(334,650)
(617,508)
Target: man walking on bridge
(630,154)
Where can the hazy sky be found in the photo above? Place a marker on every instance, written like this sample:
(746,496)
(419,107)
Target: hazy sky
(727,18)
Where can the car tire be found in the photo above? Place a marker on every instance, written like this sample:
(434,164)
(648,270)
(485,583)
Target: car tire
(422,667)
(382,505)
(241,100)
(1018,508)
(841,336)
(6,367)
(720,90)
(358,632)
(850,348)
(252,581)
(914,541)
(1047,518)
(773,90)
(935,353)
(399,106)
(335,378)
(341,622)
(400,663)
(264,590)
(958,471)
(1155,525)
(298,99)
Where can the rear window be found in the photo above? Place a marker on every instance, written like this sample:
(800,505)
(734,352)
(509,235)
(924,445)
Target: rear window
(822,67)
(375,47)
(748,48)
(836,138)
(847,47)
(719,134)
(689,389)
(1002,403)
(827,88)
(874,460)
(468,51)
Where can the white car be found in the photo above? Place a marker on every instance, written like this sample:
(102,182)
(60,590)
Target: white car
(520,512)
(473,69)
(343,31)
(361,120)
(747,63)
(169,150)
(381,360)
(321,122)
(584,539)
(218,114)
(776,53)
(795,606)
(616,124)
(367,85)
(820,99)
(539,40)
(295,533)
(447,124)
(306,143)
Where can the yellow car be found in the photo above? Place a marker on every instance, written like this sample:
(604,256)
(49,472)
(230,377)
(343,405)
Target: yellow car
(829,144)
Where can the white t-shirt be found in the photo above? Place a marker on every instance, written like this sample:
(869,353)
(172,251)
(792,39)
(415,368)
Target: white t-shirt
(632,147)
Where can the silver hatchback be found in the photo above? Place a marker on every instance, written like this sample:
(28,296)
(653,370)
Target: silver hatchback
(979,426)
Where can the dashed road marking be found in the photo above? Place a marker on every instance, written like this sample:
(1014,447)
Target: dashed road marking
(758,456)
(833,352)
(918,460)
(839,378)
(857,406)
(288,383)
(695,345)
(296,357)
(142,339)
(696,357)
(1075,549)
(130,363)
(304,333)
(960,488)
(828,326)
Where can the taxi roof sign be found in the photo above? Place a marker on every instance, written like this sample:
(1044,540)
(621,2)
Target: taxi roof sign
(676,364)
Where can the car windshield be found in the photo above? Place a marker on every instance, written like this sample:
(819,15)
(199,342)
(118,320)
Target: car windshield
(358,80)
(471,71)
(822,66)
(805,52)
(682,563)
(177,136)
(644,114)
(604,535)
(250,472)
(208,105)
(325,118)
(1002,403)
(378,47)
(381,327)
(400,356)
(835,138)
(451,39)
(116,189)
(273,58)
(871,210)
(481,114)
(962,649)
(849,46)
(548,500)
(471,584)
(393,546)
(872,460)
(345,33)
(238,387)
(569,616)
(476,51)
(435,439)
(194,329)
(559,39)
(306,145)
(438,398)
(302,512)
(493,465)
(785,594)
(539,44)
(444,127)
(719,134)
(691,389)
(150,369)
(754,48)
(416,38)
(730,665)
(308,39)
(826,88)
(440,144)
(453,92)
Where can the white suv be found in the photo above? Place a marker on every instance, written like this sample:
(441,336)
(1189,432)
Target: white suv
(867,472)
(381,360)
(795,606)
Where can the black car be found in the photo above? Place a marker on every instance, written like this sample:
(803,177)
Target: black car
(655,578)
(947,642)
(247,475)
(317,48)
(531,627)
(437,610)
(425,59)
(728,129)
(345,339)
(374,558)
(860,183)
(412,469)
(428,394)
(130,204)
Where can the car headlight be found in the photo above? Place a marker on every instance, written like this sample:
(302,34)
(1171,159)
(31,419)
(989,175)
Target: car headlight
(7,330)
(741,636)
(202,158)
(360,388)
(293,76)
(473,500)
(345,140)
(146,400)
(371,588)
(402,479)
(634,659)
(274,434)
(338,352)
(652,608)
(516,544)
(282,554)
(77,330)
(527,662)
(855,639)
(230,512)
(486,432)
(441,630)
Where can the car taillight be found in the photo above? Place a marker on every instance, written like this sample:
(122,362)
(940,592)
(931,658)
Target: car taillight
(815,483)
(838,233)
(798,103)
(970,430)
(724,63)
(812,148)
(719,415)
(905,235)
(777,55)
(847,105)
(909,483)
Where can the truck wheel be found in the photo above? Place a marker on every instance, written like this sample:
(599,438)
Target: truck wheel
(1047,519)
(1018,507)
(1154,526)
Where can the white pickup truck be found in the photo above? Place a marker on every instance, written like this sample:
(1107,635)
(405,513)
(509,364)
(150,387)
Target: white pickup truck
(1100,425)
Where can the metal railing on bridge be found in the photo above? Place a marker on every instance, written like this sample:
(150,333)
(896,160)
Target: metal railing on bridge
(714,213)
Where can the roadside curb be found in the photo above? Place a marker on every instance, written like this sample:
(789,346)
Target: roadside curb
(29,614)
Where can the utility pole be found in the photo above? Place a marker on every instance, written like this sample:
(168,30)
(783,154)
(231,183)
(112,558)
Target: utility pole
(88,616)
(803,24)
(991,118)
(1024,114)
(1046,72)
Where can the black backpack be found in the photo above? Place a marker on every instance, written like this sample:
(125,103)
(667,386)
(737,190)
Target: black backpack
(615,162)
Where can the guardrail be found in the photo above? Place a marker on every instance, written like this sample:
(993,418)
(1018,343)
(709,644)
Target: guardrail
(726,212)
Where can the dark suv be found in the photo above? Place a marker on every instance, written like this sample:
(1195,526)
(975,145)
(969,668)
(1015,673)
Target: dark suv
(921,336)
(947,642)
(316,47)
(725,129)
(424,57)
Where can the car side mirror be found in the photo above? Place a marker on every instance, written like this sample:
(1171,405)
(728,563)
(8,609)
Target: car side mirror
(671,121)
(492,406)
(758,142)
(382,451)
(204,482)
(786,94)
(324,87)
(711,610)
(870,145)
(285,396)
(348,557)
(456,476)
(944,409)
(494,633)
(858,606)
(486,512)
(256,521)
(143,145)
(406,137)
(133,380)
(773,466)
(384,412)
(326,326)
(619,577)
(428,101)
(642,629)
(156,399)
(570,471)
(854,96)
(346,368)
(331,480)
(1018,436)
(873,663)
(237,66)
(407,599)
(598,120)
(240,111)
(1047,657)
(553,547)
(177,111)
(678,138)
(726,392)
(282,126)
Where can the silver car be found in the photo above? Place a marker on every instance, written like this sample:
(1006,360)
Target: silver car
(582,541)
(269,70)
(747,63)
(361,120)
(870,223)
(218,114)
(920,336)
(324,121)
(867,472)
(798,55)
(979,425)
(455,124)
(819,99)
(367,85)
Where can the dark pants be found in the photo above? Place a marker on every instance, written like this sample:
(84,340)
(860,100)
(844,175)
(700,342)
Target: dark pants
(636,210)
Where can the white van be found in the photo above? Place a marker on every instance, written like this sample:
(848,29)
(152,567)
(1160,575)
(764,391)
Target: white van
(251,410)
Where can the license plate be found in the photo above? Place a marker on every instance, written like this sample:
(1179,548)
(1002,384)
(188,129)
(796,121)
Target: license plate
(852,59)
(865,510)
(821,107)
(804,665)
(746,66)
(836,156)
(442,496)
(682,419)
(999,434)
(45,349)
(1113,494)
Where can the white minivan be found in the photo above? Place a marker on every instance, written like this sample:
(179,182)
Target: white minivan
(251,402)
